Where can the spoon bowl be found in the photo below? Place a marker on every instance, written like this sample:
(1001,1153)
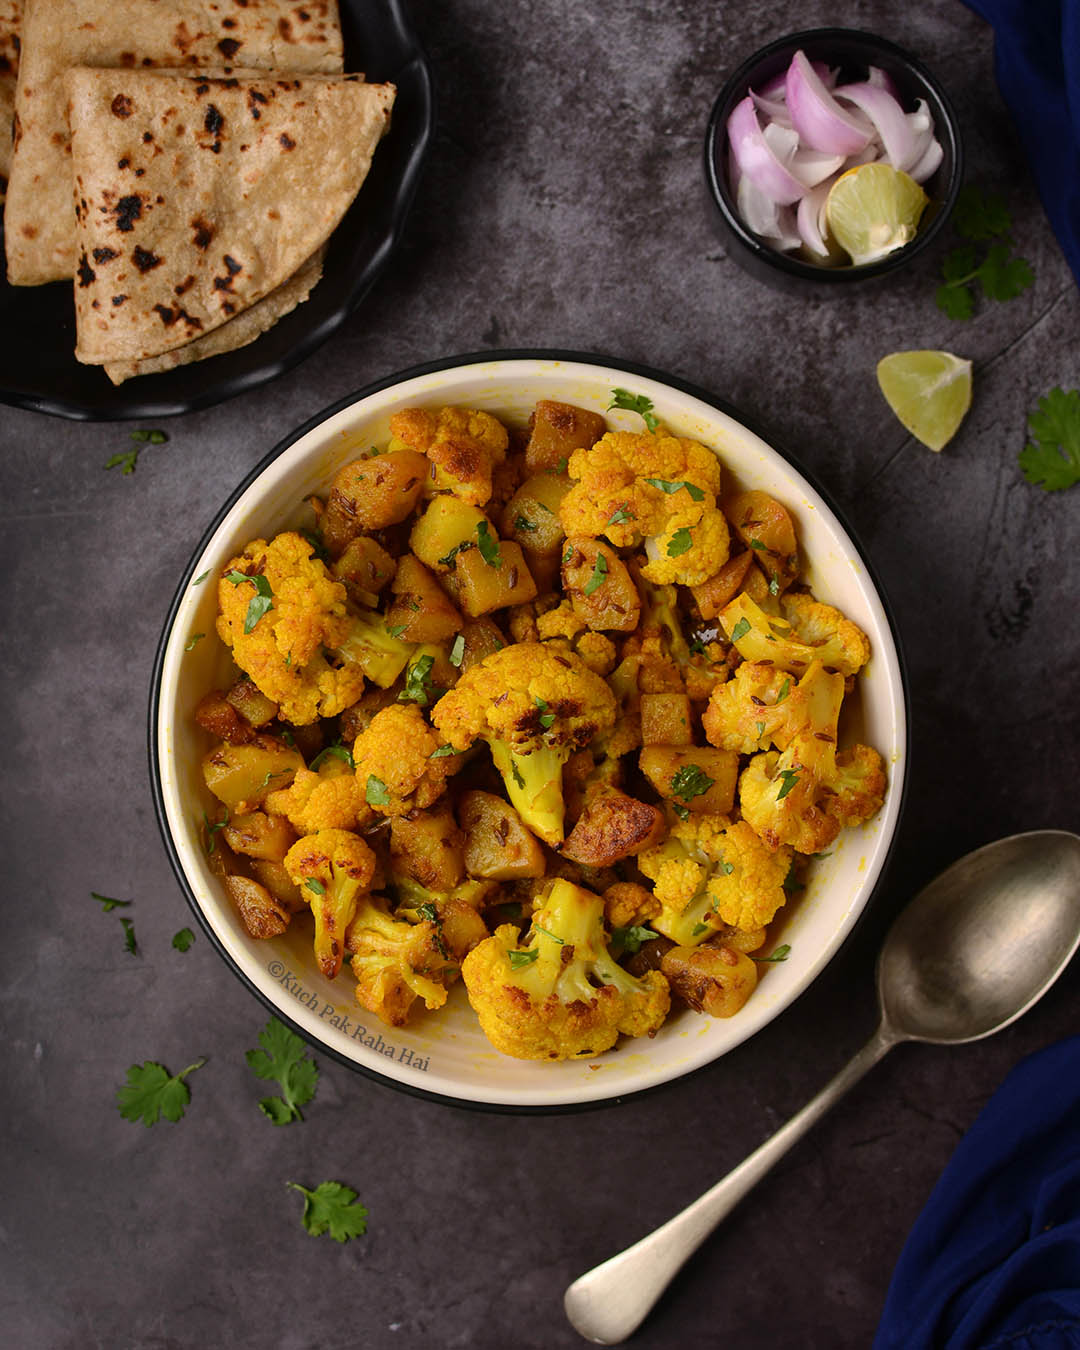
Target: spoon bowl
(983,941)
(974,950)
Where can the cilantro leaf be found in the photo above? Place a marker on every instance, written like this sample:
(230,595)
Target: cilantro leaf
(283,1059)
(740,630)
(978,216)
(1051,460)
(442,752)
(780,954)
(546,718)
(193,641)
(960,265)
(108,904)
(522,522)
(525,958)
(599,572)
(457,651)
(639,403)
(183,940)
(129,937)
(418,688)
(124,462)
(955,302)
(151,1093)
(1002,277)
(488,545)
(376,793)
(691,781)
(670,487)
(261,602)
(679,543)
(334,751)
(448,559)
(621,515)
(333,1208)
(790,777)
(630,940)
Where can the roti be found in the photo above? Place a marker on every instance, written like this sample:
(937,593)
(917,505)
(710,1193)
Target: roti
(196,196)
(10,23)
(59,34)
(238,332)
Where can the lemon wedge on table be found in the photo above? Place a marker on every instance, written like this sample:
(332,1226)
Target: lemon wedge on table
(930,392)
(874,209)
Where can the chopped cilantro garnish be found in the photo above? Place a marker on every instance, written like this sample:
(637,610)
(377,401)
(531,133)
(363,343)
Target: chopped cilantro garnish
(526,958)
(488,545)
(639,403)
(669,486)
(261,602)
(740,630)
(691,781)
(599,572)
(679,543)
(376,793)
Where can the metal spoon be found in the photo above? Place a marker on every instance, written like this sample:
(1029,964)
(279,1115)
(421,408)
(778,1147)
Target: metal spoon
(972,952)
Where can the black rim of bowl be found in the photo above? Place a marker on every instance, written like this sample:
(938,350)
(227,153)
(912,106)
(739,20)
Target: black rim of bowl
(621,367)
(874,49)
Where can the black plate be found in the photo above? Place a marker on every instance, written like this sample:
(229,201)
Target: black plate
(38,369)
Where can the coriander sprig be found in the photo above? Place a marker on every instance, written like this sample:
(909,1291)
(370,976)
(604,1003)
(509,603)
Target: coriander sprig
(283,1059)
(967,270)
(1051,459)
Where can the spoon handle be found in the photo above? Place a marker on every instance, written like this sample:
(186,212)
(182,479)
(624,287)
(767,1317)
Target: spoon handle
(610,1301)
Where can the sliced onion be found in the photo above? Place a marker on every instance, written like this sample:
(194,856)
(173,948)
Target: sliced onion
(810,220)
(890,121)
(755,157)
(819,119)
(883,80)
(928,164)
(773,108)
(812,167)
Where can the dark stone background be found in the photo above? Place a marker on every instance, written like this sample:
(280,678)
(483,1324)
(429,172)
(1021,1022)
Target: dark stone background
(563,206)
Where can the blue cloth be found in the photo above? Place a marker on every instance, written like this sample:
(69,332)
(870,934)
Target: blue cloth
(1037,60)
(993,1260)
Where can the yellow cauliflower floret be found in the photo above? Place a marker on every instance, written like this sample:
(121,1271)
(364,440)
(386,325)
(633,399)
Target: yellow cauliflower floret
(283,651)
(395,772)
(746,886)
(332,868)
(463,444)
(857,789)
(612,496)
(779,800)
(597,651)
(564,996)
(820,625)
(561,621)
(688,554)
(329,799)
(676,876)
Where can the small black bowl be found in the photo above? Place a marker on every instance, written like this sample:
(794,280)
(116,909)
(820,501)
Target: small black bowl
(853,51)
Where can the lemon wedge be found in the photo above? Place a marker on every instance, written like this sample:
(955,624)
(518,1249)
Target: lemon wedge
(930,392)
(874,209)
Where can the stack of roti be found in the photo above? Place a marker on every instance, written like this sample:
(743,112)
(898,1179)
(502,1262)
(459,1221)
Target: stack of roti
(10,24)
(185,162)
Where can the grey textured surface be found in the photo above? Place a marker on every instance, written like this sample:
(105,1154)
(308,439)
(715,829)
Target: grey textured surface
(563,207)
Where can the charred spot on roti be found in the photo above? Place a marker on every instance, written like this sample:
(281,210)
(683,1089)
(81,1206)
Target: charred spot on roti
(121,106)
(118,300)
(181,287)
(204,232)
(104,255)
(286,141)
(228,47)
(144,259)
(171,314)
(85,272)
(147,137)
(123,163)
(127,211)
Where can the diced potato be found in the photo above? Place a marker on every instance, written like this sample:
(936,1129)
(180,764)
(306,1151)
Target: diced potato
(259,835)
(666,719)
(712,595)
(252,705)
(217,715)
(365,567)
(262,915)
(531,516)
(421,611)
(281,886)
(712,979)
(613,826)
(428,846)
(765,527)
(481,637)
(447,523)
(370,494)
(679,773)
(558,429)
(242,775)
(480,587)
(497,844)
(600,586)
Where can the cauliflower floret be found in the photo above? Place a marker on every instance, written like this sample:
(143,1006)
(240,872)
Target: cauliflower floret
(333,868)
(549,704)
(597,651)
(395,962)
(561,995)
(561,621)
(463,445)
(746,887)
(748,712)
(613,497)
(778,795)
(328,799)
(688,554)
(282,649)
(856,791)
(810,631)
(395,771)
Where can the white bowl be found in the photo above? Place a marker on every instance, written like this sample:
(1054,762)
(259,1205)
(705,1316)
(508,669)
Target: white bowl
(445,1054)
